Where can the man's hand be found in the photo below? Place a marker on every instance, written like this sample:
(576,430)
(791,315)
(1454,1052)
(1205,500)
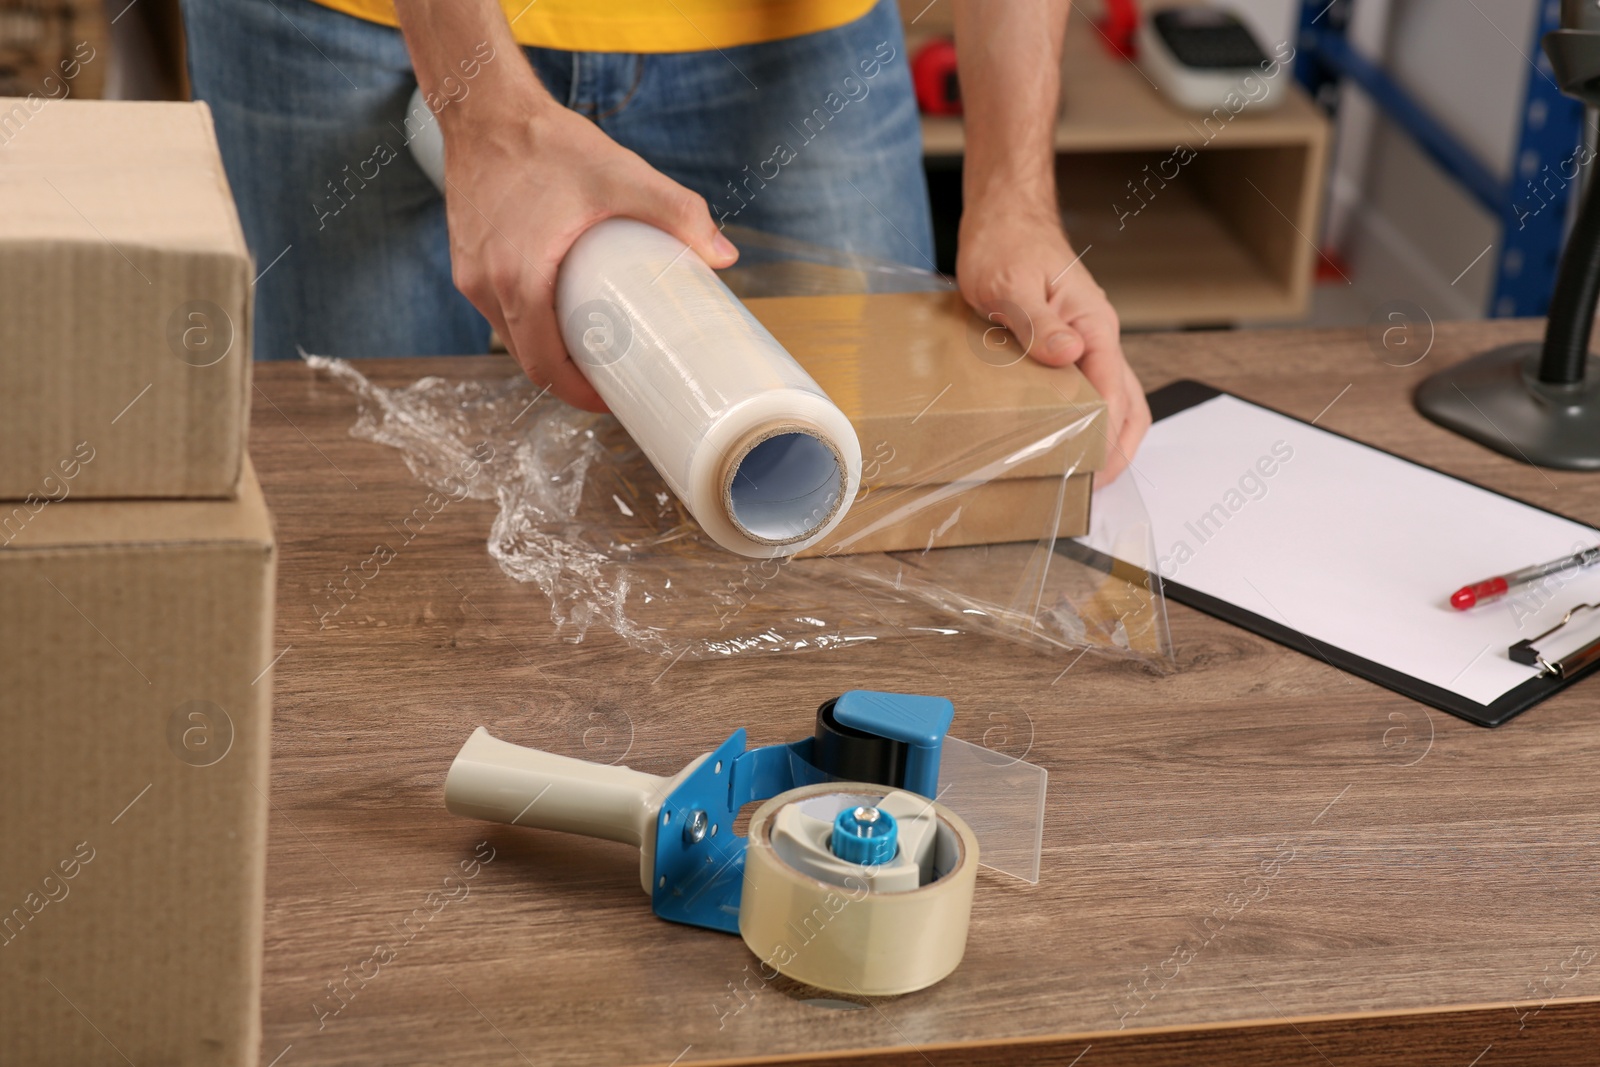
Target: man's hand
(521,186)
(1012,248)
(524,178)
(1023,262)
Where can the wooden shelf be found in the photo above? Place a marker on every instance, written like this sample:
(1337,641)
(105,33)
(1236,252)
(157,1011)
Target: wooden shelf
(1108,105)
(1208,249)
(1229,238)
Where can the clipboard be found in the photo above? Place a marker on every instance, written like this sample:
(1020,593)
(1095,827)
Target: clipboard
(1183,395)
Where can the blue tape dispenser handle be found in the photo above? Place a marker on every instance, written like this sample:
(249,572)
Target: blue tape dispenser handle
(691,862)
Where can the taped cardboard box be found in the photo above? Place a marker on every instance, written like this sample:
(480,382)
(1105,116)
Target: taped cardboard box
(925,389)
(133,780)
(125,315)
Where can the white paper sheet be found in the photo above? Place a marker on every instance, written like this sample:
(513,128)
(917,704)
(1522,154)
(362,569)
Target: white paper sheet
(1357,549)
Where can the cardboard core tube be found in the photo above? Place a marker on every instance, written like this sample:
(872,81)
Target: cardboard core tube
(783,483)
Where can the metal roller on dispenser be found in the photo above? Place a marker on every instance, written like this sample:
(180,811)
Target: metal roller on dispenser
(863,885)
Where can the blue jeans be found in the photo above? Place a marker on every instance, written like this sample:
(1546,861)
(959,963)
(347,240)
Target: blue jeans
(350,235)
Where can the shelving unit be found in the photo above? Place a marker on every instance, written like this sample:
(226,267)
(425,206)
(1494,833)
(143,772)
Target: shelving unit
(1228,239)
(1532,211)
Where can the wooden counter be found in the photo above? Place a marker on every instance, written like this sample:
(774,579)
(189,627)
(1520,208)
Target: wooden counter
(1436,900)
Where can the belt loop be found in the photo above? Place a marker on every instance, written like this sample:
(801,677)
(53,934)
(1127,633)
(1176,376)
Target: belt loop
(572,93)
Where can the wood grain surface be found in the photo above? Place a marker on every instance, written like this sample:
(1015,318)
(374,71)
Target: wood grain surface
(1433,900)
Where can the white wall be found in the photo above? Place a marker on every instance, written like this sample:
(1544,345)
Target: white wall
(1406,229)
(1270,20)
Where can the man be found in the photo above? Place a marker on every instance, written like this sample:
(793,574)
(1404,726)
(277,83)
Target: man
(794,117)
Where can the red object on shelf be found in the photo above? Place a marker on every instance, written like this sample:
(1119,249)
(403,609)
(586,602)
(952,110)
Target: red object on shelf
(1117,27)
(1331,267)
(933,73)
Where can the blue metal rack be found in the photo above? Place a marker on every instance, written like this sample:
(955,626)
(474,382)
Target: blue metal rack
(1531,206)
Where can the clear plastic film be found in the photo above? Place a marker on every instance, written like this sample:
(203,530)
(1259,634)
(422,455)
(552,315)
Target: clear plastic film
(1001,798)
(740,433)
(585,517)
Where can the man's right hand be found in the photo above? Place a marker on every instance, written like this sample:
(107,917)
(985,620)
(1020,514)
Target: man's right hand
(524,178)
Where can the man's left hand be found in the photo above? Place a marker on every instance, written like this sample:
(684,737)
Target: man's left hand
(1021,263)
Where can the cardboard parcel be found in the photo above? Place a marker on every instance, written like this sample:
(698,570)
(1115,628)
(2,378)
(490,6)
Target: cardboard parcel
(137,640)
(948,422)
(125,314)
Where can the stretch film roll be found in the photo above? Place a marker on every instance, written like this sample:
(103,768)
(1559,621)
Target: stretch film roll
(746,439)
(857,931)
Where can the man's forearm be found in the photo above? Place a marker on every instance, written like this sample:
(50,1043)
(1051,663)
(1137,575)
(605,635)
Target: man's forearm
(1010,63)
(453,42)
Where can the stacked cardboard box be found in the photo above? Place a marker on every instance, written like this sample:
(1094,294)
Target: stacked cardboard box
(127,303)
(136,592)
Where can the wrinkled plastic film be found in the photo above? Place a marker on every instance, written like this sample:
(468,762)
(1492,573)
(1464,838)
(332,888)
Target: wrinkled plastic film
(584,516)
(1128,604)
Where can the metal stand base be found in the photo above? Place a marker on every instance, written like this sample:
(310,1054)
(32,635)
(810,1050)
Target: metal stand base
(1497,400)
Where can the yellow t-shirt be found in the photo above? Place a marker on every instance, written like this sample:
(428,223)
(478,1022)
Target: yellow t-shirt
(649,25)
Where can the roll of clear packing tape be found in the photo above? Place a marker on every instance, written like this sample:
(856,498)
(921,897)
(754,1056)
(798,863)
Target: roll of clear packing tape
(870,930)
(740,432)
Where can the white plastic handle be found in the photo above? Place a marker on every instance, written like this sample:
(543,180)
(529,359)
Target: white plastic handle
(501,782)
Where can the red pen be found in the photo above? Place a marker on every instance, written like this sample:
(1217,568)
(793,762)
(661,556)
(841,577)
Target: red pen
(1500,584)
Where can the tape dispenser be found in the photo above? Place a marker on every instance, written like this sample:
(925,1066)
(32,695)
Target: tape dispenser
(853,878)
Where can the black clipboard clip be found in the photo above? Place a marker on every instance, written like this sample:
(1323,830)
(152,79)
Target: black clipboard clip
(1524,653)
